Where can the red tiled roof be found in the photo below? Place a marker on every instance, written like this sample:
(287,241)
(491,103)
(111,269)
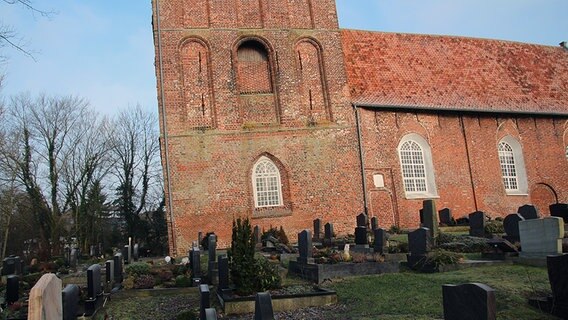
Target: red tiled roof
(455,73)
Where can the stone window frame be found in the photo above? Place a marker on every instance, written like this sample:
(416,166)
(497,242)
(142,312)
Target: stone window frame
(515,152)
(431,190)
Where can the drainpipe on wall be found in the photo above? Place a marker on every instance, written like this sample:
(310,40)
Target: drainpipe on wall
(165,132)
(361,159)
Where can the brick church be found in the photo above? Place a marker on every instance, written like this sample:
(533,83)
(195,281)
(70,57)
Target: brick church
(269,110)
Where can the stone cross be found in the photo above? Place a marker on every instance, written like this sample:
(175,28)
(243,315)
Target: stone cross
(45,299)
(263,306)
(469,301)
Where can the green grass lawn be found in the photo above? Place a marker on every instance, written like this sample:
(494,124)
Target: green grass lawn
(410,295)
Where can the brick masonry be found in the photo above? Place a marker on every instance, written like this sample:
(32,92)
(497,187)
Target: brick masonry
(244,79)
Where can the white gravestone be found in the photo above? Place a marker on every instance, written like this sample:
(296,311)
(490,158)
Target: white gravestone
(45,299)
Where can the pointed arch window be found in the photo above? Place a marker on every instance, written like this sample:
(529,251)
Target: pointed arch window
(512,166)
(416,167)
(267,184)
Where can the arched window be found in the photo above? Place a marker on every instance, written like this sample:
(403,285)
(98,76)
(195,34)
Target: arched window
(566,152)
(416,167)
(266,183)
(253,68)
(512,166)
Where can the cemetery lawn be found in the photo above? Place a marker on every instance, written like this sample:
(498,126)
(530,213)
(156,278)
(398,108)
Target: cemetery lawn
(409,295)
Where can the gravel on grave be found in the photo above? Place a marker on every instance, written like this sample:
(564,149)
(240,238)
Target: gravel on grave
(314,313)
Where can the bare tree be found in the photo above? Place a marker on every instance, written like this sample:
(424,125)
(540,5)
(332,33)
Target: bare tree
(135,155)
(45,135)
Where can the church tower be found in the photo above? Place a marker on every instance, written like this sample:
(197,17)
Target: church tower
(255,117)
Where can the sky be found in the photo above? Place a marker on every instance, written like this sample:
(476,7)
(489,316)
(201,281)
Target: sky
(103,50)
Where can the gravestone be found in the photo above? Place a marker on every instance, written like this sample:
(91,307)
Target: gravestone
(118,268)
(305,247)
(263,306)
(12,289)
(511,226)
(136,252)
(45,299)
(380,242)
(11,265)
(92,251)
(317,229)
(477,224)
(558,277)
(362,220)
(528,212)
(223,272)
(212,247)
(421,213)
(541,237)
(328,234)
(70,301)
(94,281)
(73,258)
(204,300)
(559,210)
(210,314)
(109,272)
(361,236)
(195,264)
(374,223)
(430,218)
(126,254)
(419,244)
(445,216)
(469,301)
(199,239)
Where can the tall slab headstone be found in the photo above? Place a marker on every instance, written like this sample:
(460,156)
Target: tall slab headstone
(94,288)
(328,234)
(118,268)
(558,276)
(559,210)
(317,229)
(430,217)
(445,216)
(223,272)
(204,300)
(136,252)
(511,226)
(380,242)
(361,236)
(263,306)
(305,247)
(419,244)
(528,212)
(109,272)
(362,220)
(70,297)
(477,224)
(469,301)
(541,237)
(374,223)
(45,299)
(212,247)
(12,289)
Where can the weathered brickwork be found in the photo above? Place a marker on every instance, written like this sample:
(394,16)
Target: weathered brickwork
(243,79)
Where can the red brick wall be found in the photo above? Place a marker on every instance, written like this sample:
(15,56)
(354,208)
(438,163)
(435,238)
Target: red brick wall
(315,148)
(451,140)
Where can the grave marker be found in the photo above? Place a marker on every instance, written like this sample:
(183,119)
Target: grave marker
(257,235)
(418,245)
(528,212)
(541,237)
(477,224)
(212,247)
(430,217)
(317,229)
(136,252)
(263,306)
(374,223)
(109,272)
(361,236)
(511,226)
(362,220)
(380,242)
(73,258)
(558,277)
(12,289)
(210,314)
(559,210)
(204,300)
(70,301)
(126,254)
(45,299)
(118,268)
(305,247)
(445,216)
(223,272)
(328,234)
(469,301)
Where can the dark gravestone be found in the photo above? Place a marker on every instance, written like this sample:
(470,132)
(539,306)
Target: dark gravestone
(195,263)
(421,213)
(263,306)
(528,212)
(126,254)
(317,229)
(559,210)
(136,252)
(204,300)
(257,235)
(305,247)
(558,277)
(73,258)
(118,268)
(445,216)
(477,224)
(70,297)
(210,314)
(328,233)
(9,266)
(12,289)
(223,272)
(380,243)
(511,226)
(362,220)
(212,247)
(374,223)
(94,281)
(109,271)
(361,235)
(430,217)
(419,241)
(471,301)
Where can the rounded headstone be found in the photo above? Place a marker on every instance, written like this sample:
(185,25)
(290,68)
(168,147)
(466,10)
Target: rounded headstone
(511,224)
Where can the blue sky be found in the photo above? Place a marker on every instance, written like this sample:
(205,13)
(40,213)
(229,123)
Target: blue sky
(103,50)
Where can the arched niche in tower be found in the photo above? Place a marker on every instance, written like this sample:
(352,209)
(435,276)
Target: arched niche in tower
(197,90)
(312,85)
